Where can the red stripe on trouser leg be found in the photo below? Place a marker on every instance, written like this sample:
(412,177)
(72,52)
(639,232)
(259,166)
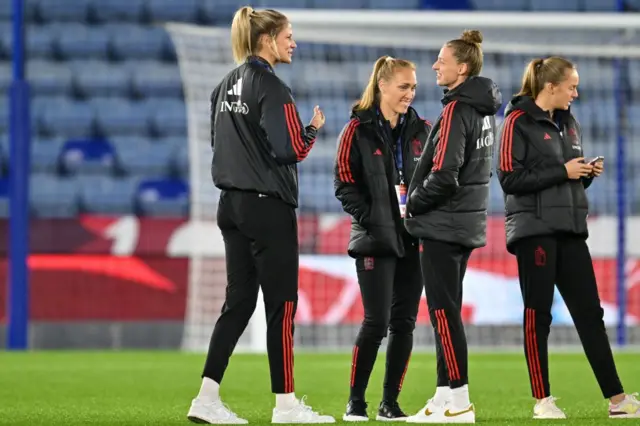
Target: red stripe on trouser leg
(354,362)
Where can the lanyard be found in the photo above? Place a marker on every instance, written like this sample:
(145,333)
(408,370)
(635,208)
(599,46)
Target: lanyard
(398,157)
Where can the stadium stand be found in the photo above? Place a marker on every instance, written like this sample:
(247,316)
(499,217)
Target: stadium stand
(109,124)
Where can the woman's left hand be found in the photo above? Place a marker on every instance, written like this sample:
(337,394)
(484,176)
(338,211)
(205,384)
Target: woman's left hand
(598,168)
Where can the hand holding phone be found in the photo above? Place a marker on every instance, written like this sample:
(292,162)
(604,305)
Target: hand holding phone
(593,161)
(598,166)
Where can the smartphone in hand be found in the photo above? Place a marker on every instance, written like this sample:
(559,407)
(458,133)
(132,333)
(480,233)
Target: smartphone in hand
(595,160)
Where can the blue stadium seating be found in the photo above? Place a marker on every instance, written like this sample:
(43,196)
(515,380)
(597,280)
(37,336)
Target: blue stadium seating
(108,195)
(163,197)
(119,11)
(45,155)
(54,196)
(138,155)
(98,79)
(109,122)
(87,156)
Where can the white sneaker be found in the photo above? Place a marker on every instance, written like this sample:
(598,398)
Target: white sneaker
(430,413)
(213,412)
(547,409)
(629,408)
(301,413)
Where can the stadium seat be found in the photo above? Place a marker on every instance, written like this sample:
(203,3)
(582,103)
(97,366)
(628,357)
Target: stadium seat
(141,156)
(634,71)
(53,196)
(600,5)
(499,5)
(555,6)
(154,79)
(118,117)
(337,114)
(317,194)
(181,163)
(5,40)
(79,41)
(163,197)
(98,78)
(49,78)
(169,118)
(394,4)
(41,39)
(220,11)
(4,197)
(132,41)
(62,10)
(45,155)
(108,195)
(338,4)
(322,79)
(87,156)
(117,10)
(67,119)
(5,77)
(173,10)
(429,110)
(320,160)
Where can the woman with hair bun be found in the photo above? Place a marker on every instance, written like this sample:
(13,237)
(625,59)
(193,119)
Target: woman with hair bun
(447,211)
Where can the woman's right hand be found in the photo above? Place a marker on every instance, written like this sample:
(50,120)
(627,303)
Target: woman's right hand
(577,169)
(318,119)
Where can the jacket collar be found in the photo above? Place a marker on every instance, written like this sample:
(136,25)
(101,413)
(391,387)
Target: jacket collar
(260,61)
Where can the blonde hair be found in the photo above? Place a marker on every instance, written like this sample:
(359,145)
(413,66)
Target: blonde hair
(541,71)
(249,25)
(467,50)
(383,69)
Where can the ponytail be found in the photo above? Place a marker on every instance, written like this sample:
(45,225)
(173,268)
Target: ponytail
(370,94)
(530,79)
(541,71)
(249,25)
(241,34)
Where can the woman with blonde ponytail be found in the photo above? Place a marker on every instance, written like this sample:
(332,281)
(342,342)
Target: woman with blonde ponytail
(544,175)
(257,139)
(376,158)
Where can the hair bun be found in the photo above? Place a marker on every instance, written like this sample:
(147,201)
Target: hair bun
(471,36)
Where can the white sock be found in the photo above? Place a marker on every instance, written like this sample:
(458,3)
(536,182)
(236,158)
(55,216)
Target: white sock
(460,397)
(286,401)
(209,390)
(442,396)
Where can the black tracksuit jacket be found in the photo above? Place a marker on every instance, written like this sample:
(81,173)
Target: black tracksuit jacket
(256,133)
(365,175)
(540,199)
(449,192)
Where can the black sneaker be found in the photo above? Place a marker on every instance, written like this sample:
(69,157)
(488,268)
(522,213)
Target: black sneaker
(356,412)
(390,412)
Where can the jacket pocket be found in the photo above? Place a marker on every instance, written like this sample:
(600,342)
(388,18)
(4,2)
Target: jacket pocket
(539,205)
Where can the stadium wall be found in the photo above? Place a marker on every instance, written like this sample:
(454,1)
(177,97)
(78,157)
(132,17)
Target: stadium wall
(122,282)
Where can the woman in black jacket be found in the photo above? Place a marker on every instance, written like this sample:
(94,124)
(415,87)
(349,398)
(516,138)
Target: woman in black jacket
(447,210)
(377,153)
(544,175)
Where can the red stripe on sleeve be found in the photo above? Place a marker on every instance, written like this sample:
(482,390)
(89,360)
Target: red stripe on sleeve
(293,126)
(445,130)
(506,144)
(344,153)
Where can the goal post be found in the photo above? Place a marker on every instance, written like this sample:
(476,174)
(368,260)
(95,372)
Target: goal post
(335,54)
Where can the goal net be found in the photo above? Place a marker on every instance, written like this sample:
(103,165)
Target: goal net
(335,55)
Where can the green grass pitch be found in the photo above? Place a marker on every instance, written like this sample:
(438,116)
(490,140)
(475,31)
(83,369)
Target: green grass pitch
(155,388)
